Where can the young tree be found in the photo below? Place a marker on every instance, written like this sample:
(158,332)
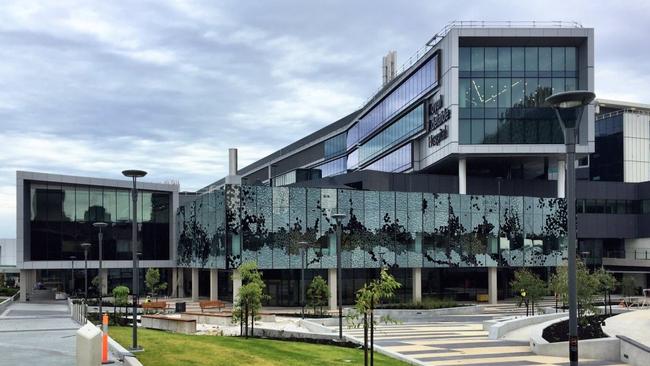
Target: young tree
(529,286)
(587,288)
(628,286)
(559,286)
(152,281)
(251,294)
(120,296)
(318,294)
(606,284)
(363,313)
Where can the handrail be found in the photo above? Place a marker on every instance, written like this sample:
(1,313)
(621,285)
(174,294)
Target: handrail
(620,112)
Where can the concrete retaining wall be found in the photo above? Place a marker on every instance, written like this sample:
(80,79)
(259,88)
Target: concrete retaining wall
(8,301)
(122,354)
(185,326)
(409,315)
(633,352)
(501,328)
(599,349)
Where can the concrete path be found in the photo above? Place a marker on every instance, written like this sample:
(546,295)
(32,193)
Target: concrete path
(37,334)
(459,340)
(634,324)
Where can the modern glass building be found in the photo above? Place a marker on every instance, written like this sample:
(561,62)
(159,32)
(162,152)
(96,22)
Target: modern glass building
(452,174)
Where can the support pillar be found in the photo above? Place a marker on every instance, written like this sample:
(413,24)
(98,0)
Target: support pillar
(236,284)
(214,284)
(103,275)
(492,285)
(417,284)
(195,284)
(331,283)
(25,283)
(561,179)
(174,282)
(462,176)
(181,282)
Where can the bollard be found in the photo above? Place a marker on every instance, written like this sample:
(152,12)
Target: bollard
(88,346)
(105,339)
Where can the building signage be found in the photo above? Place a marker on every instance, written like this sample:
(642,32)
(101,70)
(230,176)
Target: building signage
(437,116)
(437,138)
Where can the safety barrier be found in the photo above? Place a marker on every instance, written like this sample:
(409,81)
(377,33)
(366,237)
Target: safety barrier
(79,312)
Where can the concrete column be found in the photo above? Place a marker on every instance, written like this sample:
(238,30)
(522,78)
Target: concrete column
(180,272)
(462,176)
(331,283)
(236,284)
(195,284)
(561,179)
(103,275)
(492,284)
(24,284)
(417,284)
(174,283)
(214,284)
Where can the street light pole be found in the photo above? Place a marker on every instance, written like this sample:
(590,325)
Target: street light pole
(134,174)
(100,237)
(572,100)
(85,246)
(72,258)
(339,285)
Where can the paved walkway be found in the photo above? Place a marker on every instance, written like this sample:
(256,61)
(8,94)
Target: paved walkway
(37,334)
(459,340)
(634,324)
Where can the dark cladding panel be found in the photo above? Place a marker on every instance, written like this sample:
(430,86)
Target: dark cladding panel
(300,159)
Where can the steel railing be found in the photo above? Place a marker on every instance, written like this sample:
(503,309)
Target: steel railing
(79,312)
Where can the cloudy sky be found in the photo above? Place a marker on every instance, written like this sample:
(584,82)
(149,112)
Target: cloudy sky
(92,88)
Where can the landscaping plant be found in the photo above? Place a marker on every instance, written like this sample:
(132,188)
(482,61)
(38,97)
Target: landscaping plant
(249,300)
(367,299)
(121,296)
(529,286)
(152,281)
(607,282)
(318,294)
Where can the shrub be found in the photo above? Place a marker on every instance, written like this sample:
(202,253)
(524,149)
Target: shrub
(121,295)
(318,293)
(426,303)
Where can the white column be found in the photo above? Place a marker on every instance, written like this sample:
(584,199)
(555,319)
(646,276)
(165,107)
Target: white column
(103,275)
(417,284)
(236,284)
(492,285)
(174,283)
(214,284)
(462,176)
(331,283)
(24,284)
(181,282)
(561,179)
(195,284)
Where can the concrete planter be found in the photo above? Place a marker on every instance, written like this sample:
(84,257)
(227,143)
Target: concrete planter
(499,329)
(598,349)
(172,324)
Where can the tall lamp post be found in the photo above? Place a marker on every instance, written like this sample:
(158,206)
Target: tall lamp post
(303,260)
(100,237)
(571,102)
(134,174)
(72,258)
(339,285)
(85,247)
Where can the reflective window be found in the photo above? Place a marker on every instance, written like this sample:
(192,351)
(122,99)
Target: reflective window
(395,162)
(353,160)
(335,145)
(421,81)
(352,136)
(513,99)
(405,127)
(334,167)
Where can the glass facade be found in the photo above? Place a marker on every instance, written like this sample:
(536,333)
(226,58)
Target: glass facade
(607,163)
(502,92)
(61,218)
(334,167)
(335,146)
(227,227)
(420,82)
(398,161)
(398,132)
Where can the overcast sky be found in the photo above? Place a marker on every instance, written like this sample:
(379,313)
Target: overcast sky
(90,88)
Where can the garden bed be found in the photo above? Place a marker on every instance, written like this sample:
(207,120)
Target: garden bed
(426,304)
(559,332)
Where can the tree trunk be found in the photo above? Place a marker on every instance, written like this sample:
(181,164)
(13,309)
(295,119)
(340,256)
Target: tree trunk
(365,339)
(246,320)
(252,323)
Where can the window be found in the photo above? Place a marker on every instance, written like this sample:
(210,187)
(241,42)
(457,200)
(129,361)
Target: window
(398,161)
(335,145)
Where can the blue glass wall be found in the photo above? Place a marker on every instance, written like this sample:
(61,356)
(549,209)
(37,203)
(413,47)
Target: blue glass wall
(405,127)
(335,145)
(502,92)
(225,228)
(420,82)
(397,161)
(334,167)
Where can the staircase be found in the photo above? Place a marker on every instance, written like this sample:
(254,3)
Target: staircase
(41,295)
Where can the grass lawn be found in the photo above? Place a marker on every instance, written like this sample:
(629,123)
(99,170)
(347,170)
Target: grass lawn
(164,348)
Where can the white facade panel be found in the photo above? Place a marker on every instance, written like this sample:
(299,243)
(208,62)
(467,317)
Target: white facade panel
(636,147)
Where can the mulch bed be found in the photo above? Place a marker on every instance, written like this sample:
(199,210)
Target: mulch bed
(559,332)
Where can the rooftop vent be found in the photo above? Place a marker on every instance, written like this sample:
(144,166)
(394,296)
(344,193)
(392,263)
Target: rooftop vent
(389,66)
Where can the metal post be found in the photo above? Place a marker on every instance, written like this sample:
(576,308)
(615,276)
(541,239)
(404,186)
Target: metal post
(101,279)
(571,222)
(72,271)
(302,282)
(85,275)
(339,283)
(134,253)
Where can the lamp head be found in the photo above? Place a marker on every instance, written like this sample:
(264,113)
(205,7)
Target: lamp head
(338,217)
(86,245)
(569,104)
(100,225)
(133,173)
